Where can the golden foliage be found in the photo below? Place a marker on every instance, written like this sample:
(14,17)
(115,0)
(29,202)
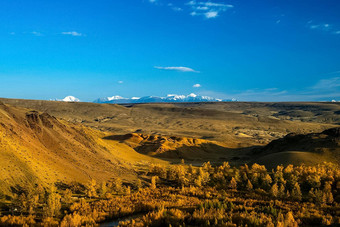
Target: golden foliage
(230,197)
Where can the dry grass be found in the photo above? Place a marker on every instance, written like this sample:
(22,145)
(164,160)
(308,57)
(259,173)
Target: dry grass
(38,148)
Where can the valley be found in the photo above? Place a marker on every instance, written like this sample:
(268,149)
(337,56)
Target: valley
(98,153)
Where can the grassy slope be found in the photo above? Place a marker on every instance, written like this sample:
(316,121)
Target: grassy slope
(295,149)
(36,147)
(195,151)
(292,157)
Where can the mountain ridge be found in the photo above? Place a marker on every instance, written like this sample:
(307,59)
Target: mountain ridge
(170,98)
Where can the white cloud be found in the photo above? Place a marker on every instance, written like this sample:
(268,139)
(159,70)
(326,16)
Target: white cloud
(322,27)
(177,8)
(197,85)
(216,4)
(120,82)
(211,14)
(36,33)
(72,33)
(202,8)
(177,68)
(325,27)
(207,9)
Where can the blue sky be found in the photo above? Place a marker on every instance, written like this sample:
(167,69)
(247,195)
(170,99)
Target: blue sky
(263,50)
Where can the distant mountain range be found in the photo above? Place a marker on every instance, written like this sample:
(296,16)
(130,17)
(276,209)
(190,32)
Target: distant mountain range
(155,99)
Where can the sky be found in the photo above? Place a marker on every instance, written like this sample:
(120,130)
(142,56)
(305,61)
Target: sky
(254,50)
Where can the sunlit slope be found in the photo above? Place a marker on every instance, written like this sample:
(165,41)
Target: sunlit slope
(310,149)
(36,147)
(174,147)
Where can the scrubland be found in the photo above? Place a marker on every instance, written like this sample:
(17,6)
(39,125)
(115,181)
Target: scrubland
(183,195)
(194,164)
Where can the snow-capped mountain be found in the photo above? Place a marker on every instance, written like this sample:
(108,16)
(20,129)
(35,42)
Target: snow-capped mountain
(113,99)
(169,98)
(68,99)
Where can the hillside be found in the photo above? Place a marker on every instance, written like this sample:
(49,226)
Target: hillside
(36,147)
(296,149)
(174,148)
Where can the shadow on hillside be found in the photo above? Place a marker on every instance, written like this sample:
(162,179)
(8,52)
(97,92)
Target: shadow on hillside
(293,148)
(120,138)
(313,142)
(196,154)
(205,152)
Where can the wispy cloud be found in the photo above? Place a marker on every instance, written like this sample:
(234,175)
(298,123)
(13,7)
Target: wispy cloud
(177,68)
(36,33)
(208,9)
(323,90)
(72,33)
(211,14)
(120,82)
(175,8)
(326,27)
(328,84)
(197,85)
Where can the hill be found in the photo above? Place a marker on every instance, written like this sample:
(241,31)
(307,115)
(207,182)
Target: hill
(174,148)
(311,149)
(36,147)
